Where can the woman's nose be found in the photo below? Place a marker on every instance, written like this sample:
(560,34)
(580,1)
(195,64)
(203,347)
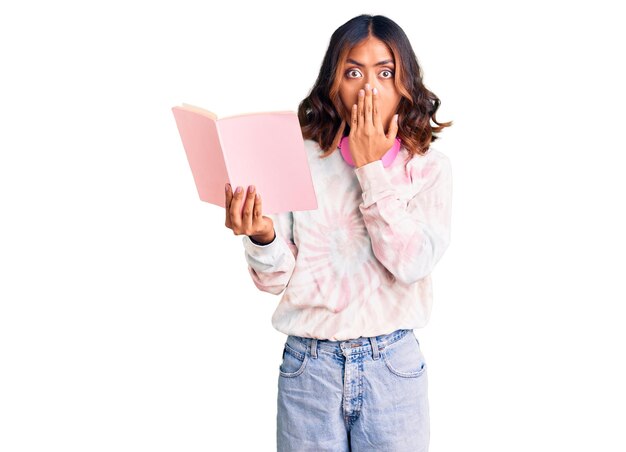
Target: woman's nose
(372,83)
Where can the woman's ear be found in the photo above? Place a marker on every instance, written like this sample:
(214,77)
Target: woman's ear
(338,135)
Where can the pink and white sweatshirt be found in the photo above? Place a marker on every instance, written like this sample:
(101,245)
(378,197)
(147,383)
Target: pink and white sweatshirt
(360,264)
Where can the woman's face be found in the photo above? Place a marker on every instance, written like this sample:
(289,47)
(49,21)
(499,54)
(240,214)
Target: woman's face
(371,62)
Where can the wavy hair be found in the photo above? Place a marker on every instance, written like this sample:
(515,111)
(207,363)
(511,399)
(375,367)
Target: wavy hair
(319,115)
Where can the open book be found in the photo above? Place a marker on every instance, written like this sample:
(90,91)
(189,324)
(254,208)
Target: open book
(261,149)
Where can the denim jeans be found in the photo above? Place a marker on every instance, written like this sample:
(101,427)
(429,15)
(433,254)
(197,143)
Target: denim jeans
(365,394)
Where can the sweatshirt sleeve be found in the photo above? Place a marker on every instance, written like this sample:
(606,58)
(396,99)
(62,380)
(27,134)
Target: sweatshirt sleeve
(272,265)
(408,238)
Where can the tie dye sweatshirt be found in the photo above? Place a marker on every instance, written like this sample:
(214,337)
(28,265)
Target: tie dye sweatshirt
(359,265)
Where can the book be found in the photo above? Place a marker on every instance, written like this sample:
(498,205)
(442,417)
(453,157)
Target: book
(263,149)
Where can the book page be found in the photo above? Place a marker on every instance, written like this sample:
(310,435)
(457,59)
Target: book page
(267,150)
(199,110)
(201,143)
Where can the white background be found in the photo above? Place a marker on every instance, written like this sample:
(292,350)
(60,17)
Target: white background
(128,320)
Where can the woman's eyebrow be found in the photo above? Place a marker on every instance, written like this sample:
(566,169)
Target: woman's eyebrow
(380,63)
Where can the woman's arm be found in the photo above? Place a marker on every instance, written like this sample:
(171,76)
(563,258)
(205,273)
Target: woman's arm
(272,265)
(407,238)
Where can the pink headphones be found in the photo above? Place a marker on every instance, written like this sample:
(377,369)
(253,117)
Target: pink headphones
(387,159)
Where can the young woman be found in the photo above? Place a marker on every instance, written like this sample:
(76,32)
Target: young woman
(356,271)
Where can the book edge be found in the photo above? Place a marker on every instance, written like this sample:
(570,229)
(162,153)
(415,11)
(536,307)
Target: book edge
(199,110)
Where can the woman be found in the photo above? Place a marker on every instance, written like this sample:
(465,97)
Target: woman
(356,271)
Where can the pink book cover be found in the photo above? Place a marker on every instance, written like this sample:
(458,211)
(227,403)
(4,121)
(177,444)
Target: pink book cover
(261,149)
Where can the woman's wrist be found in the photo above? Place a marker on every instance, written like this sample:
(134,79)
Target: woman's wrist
(263,239)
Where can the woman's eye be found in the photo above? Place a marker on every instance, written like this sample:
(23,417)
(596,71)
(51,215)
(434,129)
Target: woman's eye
(355,73)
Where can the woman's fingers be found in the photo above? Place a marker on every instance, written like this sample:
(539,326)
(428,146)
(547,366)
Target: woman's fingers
(378,120)
(258,211)
(244,211)
(360,109)
(393,128)
(246,214)
(369,122)
(234,212)
(365,110)
(227,203)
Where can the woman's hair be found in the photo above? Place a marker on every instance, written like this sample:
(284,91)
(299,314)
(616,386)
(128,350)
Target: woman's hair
(319,115)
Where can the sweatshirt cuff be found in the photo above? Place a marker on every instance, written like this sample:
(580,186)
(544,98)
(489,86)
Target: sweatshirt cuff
(374,181)
(262,251)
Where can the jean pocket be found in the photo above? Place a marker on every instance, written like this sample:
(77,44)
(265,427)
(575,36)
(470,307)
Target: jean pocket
(293,363)
(404,358)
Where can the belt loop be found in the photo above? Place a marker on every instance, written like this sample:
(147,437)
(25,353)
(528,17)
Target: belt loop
(314,347)
(374,347)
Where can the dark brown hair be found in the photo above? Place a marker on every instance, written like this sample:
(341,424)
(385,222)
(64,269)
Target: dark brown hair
(319,115)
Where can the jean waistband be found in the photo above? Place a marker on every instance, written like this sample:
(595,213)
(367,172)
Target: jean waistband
(359,345)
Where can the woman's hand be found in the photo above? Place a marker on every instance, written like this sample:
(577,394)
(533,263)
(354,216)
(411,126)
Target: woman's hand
(249,221)
(368,141)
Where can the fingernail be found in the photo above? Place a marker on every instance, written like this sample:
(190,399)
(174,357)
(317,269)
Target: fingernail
(396,118)
(251,188)
(367,86)
(238,190)
(361,93)
(375,91)
(226,187)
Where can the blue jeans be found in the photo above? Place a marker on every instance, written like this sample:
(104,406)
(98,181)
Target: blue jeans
(365,394)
